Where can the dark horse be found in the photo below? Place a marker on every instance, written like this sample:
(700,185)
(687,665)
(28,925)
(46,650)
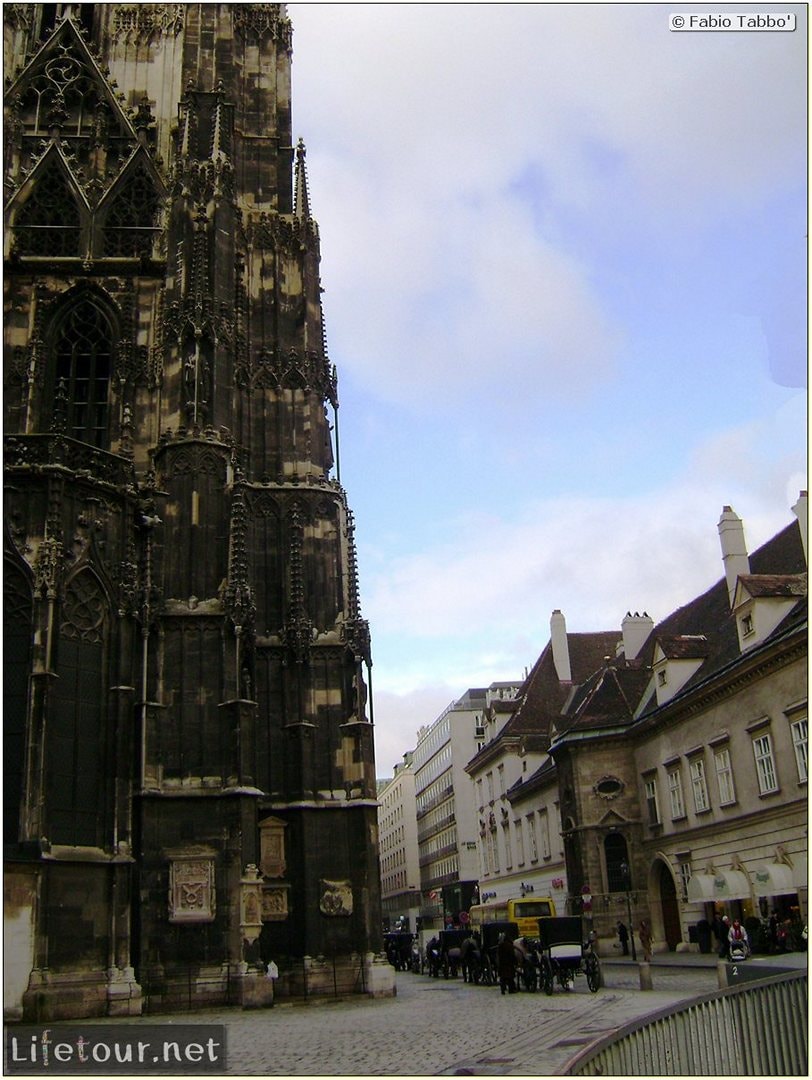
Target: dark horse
(471,960)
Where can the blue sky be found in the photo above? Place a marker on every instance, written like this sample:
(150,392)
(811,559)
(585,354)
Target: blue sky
(564,260)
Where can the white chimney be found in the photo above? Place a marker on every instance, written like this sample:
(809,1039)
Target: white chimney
(801,511)
(561,649)
(734,549)
(636,629)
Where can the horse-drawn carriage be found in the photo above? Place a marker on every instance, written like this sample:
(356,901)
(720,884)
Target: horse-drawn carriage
(491,933)
(564,954)
(398,948)
(451,946)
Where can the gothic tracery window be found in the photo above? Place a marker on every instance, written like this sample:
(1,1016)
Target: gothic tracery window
(49,222)
(17,636)
(83,351)
(75,722)
(130,226)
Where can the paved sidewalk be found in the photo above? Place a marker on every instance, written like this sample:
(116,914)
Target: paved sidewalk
(436,1027)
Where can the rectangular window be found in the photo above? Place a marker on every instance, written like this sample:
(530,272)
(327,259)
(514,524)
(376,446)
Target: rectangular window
(489,778)
(495,853)
(508,846)
(724,776)
(480,803)
(502,780)
(698,785)
(651,802)
(684,877)
(519,826)
(531,828)
(675,795)
(545,834)
(799,742)
(765,764)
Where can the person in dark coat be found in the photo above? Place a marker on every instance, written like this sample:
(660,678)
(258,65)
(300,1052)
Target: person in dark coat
(506,961)
(623,935)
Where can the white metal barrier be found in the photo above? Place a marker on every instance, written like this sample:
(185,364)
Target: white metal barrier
(756,1029)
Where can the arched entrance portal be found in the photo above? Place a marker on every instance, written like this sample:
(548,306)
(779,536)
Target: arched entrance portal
(666,890)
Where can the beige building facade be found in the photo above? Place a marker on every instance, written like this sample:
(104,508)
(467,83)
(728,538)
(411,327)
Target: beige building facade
(397,832)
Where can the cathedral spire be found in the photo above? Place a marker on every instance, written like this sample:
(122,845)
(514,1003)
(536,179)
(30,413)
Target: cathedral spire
(301,206)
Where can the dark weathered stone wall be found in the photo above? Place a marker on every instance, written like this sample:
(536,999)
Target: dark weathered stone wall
(189,582)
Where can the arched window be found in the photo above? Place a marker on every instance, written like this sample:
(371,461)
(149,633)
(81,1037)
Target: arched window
(76,717)
(131,223)
(618,872)
(49,222)
(17,634)
(83,352)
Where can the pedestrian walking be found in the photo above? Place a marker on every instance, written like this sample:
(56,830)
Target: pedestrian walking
(506,960)
(623,935)
(645,939)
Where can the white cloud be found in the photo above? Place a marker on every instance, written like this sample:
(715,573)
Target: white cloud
(440,265)
(592,557)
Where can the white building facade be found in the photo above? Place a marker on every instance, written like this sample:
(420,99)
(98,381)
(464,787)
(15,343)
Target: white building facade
(446,814)
(397,829)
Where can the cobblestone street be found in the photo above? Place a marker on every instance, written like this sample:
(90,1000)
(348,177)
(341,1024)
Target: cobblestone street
(436,1027)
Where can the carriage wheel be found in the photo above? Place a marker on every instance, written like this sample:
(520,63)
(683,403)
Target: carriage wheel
(547,978)
(593,973)
(487,973)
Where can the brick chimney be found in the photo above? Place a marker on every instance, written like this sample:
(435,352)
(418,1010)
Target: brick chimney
(561,649)
(734,549)
(801,511)
(636,629)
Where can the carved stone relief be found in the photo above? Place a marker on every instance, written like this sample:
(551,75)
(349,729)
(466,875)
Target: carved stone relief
(191,889)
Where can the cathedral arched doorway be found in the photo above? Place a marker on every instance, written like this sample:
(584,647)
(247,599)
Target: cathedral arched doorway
(666,891)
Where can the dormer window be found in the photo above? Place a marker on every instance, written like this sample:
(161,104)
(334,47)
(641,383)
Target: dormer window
(747,625)
(662,677)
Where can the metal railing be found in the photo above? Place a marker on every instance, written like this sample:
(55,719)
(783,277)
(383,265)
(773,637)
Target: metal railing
(759,1029)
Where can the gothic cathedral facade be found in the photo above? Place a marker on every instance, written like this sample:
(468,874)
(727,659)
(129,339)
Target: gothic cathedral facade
(189,763)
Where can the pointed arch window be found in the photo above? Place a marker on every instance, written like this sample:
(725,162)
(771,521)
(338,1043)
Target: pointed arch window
(131,223)
(49,223)
(17,637)
(76,719)
(83,351)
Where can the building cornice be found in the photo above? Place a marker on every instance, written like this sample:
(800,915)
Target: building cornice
(492,750)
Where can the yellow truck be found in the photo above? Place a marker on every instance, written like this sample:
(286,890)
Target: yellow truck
(525,912)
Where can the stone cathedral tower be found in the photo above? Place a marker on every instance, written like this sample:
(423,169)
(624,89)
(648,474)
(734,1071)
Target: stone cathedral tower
(190,783)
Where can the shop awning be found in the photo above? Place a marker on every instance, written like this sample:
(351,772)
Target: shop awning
(723,885)
(779,879)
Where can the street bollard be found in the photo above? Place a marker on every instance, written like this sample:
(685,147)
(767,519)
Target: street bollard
(645,975)
(721,970)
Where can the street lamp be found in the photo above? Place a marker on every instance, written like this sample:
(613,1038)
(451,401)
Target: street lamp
(627,882)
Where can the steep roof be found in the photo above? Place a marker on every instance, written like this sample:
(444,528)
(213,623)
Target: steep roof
(543,695)
(774,584)
(683,646)
(709,615)
(703,629)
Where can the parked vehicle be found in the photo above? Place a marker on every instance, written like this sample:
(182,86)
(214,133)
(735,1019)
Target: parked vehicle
(451,951)
(398,948)
(565,954)
(524,911)
(490,934)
